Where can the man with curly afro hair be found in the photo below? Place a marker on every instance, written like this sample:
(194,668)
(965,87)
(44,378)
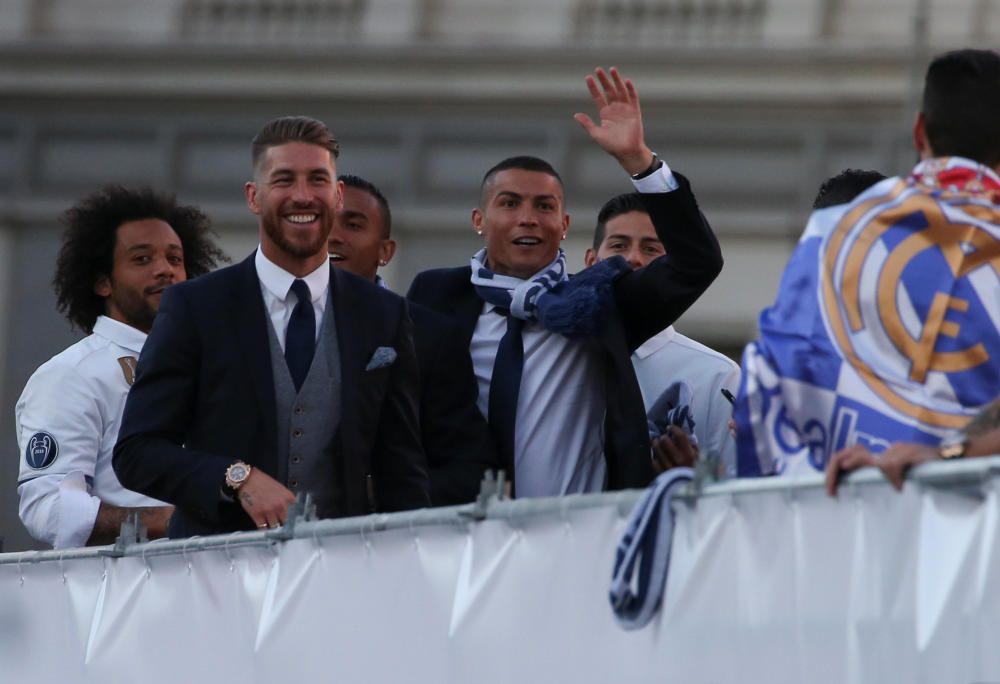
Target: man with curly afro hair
(122,248)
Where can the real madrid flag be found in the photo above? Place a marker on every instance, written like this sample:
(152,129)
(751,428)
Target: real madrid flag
(885,327)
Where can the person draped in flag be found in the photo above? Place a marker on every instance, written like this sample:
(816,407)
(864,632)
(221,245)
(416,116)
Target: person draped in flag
(885,328)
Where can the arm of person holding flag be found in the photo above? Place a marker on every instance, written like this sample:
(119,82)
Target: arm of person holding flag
(981,437)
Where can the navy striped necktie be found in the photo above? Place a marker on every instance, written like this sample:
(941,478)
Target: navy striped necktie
(300,339)
(504,388)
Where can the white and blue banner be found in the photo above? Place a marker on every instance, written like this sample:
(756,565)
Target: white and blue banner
(885,327)
(771,582)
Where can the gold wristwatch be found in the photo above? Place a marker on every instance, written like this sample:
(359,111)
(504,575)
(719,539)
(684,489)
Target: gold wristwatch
(236,476)
(954,447)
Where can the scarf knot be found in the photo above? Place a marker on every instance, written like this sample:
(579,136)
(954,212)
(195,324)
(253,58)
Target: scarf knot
(573,307)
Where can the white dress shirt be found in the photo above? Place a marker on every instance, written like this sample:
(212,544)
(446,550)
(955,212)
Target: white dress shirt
(559,428)
(658,181)
(669,357)
(279,300)
(68,418)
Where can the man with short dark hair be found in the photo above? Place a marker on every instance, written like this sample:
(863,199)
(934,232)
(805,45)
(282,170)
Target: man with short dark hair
(279,375)
(455,436)
(885,328)
(844,187)
(121,250)
(669,361)
(550,352)
(361,238)
(960,106)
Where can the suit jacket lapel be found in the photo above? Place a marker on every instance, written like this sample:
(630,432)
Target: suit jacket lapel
(252,335)
(468,306)
(349,340)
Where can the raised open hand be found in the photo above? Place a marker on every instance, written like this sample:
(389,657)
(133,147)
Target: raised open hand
(620,131)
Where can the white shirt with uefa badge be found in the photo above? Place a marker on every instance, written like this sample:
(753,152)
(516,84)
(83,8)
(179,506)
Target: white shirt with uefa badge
(67,422)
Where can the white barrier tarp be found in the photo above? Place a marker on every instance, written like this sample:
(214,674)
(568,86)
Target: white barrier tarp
(766,585)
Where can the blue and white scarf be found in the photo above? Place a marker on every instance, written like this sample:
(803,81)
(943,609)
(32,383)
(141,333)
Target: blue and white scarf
(571,307)
(673,407)
(642,559)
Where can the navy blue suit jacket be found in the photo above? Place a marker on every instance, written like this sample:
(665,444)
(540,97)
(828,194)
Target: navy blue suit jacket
(455,435)
(646,302)
(204,397)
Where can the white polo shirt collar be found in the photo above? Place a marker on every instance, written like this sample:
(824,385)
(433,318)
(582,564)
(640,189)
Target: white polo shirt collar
(120,333)
(655,343)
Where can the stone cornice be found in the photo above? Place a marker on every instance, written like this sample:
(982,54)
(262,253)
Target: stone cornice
(812,77)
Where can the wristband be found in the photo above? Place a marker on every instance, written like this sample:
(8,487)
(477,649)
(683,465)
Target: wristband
(650,170)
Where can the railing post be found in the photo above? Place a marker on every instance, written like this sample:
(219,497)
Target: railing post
(490,489)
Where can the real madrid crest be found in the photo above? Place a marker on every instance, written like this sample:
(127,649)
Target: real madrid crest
(909,282)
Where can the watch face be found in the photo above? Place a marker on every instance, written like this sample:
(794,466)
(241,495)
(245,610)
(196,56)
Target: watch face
(238,472)
(952,451)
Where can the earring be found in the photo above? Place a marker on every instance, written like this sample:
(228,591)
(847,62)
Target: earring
(382,262)
(479,232)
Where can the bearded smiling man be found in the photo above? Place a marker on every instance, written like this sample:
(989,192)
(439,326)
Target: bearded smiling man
(278,375)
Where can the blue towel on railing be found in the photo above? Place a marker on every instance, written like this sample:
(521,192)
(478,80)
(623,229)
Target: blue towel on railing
(643,556)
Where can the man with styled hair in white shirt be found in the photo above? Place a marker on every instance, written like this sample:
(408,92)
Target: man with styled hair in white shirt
(624,228)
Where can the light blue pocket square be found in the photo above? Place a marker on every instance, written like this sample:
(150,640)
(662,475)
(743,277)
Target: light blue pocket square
(383,356)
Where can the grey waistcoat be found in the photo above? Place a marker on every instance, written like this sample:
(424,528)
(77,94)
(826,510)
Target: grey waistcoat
(308,420)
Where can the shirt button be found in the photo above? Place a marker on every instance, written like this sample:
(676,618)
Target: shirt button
(299,410)
(294,483)
(296,459)
(296,432)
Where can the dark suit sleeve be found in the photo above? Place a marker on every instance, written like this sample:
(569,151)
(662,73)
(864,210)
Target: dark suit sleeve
(149,457)
(423,293)
(653,297)
(455,435)
(401,477)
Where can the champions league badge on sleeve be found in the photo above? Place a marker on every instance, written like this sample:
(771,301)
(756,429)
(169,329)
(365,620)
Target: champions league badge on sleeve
(41,451)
